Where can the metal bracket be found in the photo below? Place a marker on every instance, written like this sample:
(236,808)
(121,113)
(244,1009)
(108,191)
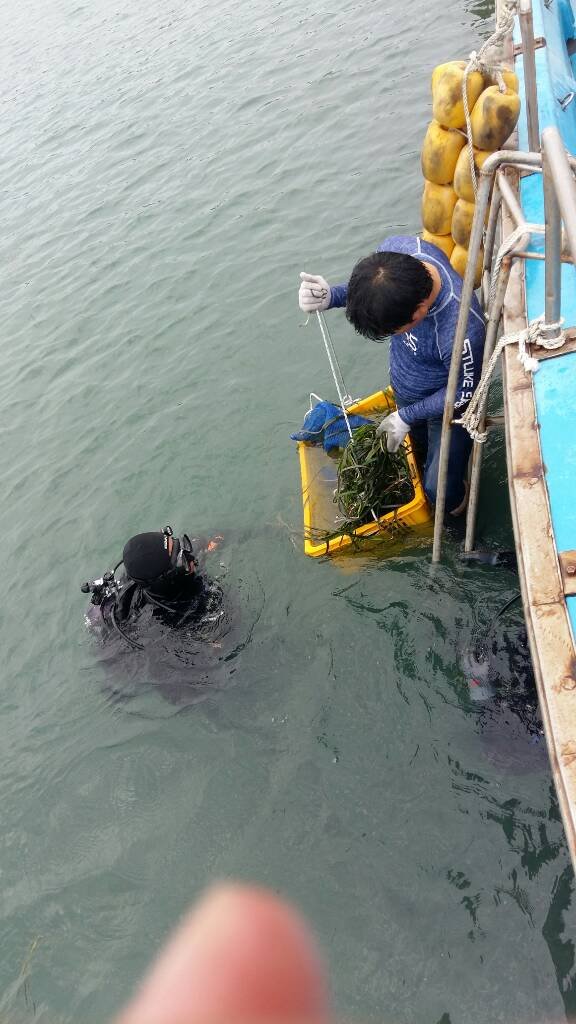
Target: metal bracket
(567,562)
(539,42)
(550,353)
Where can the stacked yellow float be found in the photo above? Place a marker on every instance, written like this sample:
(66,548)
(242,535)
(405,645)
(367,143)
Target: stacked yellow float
(448,199)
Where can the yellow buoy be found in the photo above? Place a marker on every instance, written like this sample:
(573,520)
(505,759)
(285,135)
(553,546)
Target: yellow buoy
(462,222)
(440,152)
(462,178)
(494,118)
(459,259)
(444,242)
(440,70)
(510,80)
(438,202)
(447,103)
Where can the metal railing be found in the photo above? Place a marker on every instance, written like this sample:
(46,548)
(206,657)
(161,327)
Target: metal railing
(529,63)
(557,167)
(547,156)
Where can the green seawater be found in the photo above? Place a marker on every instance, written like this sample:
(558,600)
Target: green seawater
(167,170)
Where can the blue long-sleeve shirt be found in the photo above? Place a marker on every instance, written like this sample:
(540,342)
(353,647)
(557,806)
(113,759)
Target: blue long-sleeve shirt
(420,358)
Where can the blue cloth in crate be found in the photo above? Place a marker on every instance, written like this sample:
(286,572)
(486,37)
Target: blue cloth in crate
(325,424)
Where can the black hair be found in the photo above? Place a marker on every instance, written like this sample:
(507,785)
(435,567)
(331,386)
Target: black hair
(384,291)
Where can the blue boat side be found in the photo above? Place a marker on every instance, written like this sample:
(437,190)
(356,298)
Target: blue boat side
(555,381)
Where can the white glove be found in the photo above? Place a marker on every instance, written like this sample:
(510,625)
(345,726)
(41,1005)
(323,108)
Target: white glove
(395,429)
(314,293)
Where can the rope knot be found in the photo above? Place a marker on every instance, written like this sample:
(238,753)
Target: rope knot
(534,333)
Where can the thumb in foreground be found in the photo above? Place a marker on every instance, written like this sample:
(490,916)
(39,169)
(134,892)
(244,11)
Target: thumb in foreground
(241,955)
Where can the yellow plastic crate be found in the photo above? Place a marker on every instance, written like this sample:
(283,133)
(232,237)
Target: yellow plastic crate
(318,472)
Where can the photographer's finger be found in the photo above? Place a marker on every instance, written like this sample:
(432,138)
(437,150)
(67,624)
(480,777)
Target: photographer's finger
(243,955)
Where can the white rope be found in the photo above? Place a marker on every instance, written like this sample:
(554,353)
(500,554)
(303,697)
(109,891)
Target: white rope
(488,60)
(471,66)
(531,335)
(335,367)
(508,246)
(343,395)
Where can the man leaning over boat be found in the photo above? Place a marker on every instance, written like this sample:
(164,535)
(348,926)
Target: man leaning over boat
(408,290)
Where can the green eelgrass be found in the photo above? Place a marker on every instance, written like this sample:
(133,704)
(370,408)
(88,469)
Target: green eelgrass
(371,480)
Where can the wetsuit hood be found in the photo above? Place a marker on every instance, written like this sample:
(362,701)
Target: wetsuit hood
(146,557)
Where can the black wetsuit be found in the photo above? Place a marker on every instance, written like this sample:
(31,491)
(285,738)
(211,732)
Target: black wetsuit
(193,603)
(185,640)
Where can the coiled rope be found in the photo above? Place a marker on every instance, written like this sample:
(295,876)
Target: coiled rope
(531,335)
(488,60)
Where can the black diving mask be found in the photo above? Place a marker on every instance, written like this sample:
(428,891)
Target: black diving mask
(182,554)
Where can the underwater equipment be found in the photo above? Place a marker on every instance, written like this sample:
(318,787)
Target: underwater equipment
(182,556)
(101,589)
(484,557)
(476,659)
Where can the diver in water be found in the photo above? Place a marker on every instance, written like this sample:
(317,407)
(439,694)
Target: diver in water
(500,675)
(162,580)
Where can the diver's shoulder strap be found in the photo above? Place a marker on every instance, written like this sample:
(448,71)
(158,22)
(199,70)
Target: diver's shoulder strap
(125,600)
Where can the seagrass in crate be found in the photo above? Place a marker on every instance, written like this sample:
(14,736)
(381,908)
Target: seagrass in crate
(324,533)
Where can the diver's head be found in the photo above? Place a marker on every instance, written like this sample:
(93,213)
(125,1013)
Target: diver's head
(159,560)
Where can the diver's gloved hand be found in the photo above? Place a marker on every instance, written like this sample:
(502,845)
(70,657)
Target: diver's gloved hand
(314,294)
(395,429)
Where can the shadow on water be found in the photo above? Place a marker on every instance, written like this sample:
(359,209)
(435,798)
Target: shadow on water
(482,8)
(562,948)
(480,667)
